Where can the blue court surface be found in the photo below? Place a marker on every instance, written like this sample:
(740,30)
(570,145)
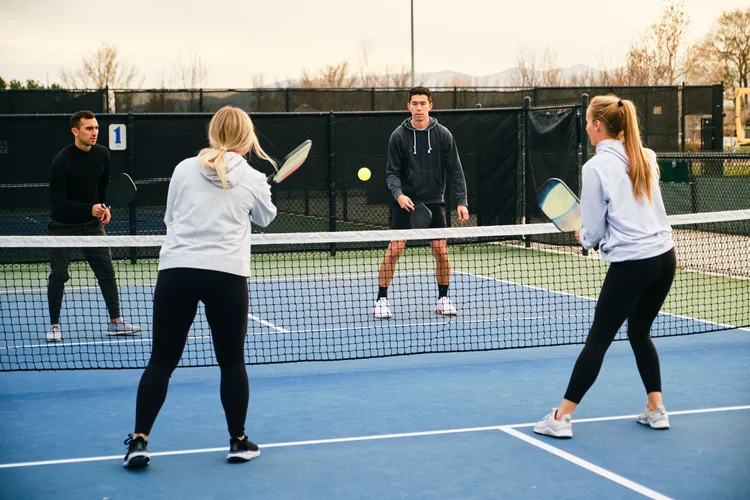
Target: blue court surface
(313,318)
(454,425)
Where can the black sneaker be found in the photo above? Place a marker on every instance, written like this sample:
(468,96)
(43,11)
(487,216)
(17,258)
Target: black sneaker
(137,455)
(242,451)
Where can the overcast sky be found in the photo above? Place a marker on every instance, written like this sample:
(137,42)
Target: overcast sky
(238,39)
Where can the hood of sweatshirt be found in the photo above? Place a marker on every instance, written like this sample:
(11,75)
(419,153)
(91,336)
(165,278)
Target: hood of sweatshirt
(431,125)
(236,170)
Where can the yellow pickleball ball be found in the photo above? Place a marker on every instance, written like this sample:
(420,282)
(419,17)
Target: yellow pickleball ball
(364,174)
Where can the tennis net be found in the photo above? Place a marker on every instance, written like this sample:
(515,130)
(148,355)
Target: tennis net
(312,294)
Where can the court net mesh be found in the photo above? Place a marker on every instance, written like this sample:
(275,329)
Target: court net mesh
(312,294)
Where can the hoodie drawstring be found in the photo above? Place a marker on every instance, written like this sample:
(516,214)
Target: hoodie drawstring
(429,144)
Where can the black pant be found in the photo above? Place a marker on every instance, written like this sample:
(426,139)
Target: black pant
(634,290)
(100,260)
(176,298)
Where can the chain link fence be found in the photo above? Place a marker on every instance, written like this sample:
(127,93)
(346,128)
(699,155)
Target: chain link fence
(506,154)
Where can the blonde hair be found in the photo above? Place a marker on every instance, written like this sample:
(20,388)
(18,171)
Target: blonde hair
(621,122)
(230,130)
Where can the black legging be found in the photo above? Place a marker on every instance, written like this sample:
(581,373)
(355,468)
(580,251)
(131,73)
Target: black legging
(176,298)
(634,290)
(100,260)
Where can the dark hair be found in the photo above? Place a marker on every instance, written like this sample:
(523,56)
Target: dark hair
(420,91)
(75,120)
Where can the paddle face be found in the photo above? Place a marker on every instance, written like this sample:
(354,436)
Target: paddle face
(421,217)
(559,203)
(121,191)
(292,162)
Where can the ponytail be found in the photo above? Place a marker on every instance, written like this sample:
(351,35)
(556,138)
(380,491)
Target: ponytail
(230,130)
(640,165)
(620,120)
(215,159)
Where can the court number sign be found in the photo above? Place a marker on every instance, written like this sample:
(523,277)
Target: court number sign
(118,137)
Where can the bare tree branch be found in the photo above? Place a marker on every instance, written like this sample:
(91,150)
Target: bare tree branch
(103,68)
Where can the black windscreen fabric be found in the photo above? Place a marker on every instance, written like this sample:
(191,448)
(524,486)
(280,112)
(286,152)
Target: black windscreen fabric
(552,146)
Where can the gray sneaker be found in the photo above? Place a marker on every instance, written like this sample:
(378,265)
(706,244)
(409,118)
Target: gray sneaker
(122,327)
(556,428)
(655,419)
(54,333)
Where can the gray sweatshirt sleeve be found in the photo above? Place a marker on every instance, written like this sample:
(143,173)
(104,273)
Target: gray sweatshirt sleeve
(593,209)
(171,195)
(263,211)
(394,167)
(454,171)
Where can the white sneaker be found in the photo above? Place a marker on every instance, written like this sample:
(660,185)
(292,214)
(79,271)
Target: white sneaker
(556,428)
(122,327)
(445,306)
(54,333)
(655,419)
(382,309)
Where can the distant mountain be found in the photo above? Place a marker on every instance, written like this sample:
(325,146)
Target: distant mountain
(450,78)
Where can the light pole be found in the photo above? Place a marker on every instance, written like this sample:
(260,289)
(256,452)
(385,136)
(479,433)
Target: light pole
(412,43)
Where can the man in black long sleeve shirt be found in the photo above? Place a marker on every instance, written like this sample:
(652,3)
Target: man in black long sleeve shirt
(78,180)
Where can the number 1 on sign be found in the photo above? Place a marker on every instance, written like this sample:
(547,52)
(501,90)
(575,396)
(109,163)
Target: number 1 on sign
(118,137)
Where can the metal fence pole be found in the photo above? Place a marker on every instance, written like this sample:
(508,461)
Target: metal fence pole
(524,162)
(682,118)
(132,212)
(584,135)
(332,177)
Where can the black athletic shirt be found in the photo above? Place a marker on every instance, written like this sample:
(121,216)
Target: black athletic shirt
(78,180)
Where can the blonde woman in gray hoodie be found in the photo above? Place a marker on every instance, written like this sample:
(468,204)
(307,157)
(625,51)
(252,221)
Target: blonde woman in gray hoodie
(212,200)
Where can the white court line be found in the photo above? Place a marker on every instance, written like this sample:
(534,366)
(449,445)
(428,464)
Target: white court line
(355,439)
(267,323)
(730,327)
(587,465)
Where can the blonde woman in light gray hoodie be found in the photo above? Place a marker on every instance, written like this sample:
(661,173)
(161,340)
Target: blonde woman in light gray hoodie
(212,200)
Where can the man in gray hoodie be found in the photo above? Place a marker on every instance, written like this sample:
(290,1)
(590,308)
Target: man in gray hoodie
(422,157)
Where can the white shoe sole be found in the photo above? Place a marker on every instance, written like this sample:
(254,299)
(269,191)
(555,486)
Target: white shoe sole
(53,339)
(549,431)
(446,313)
(660,425)
(137,459)
(382,315)
(242,456)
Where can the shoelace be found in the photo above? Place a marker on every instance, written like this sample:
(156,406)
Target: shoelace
(130,439)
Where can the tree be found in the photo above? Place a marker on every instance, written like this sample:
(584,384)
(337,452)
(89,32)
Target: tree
(730,42)
(103,68)
(332,76)
(29,84)
(703,65)
(368,77)
(3,83)
(189,71)
(259,81)
(525,73)
(552,75)
(398,77)
(655,57)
